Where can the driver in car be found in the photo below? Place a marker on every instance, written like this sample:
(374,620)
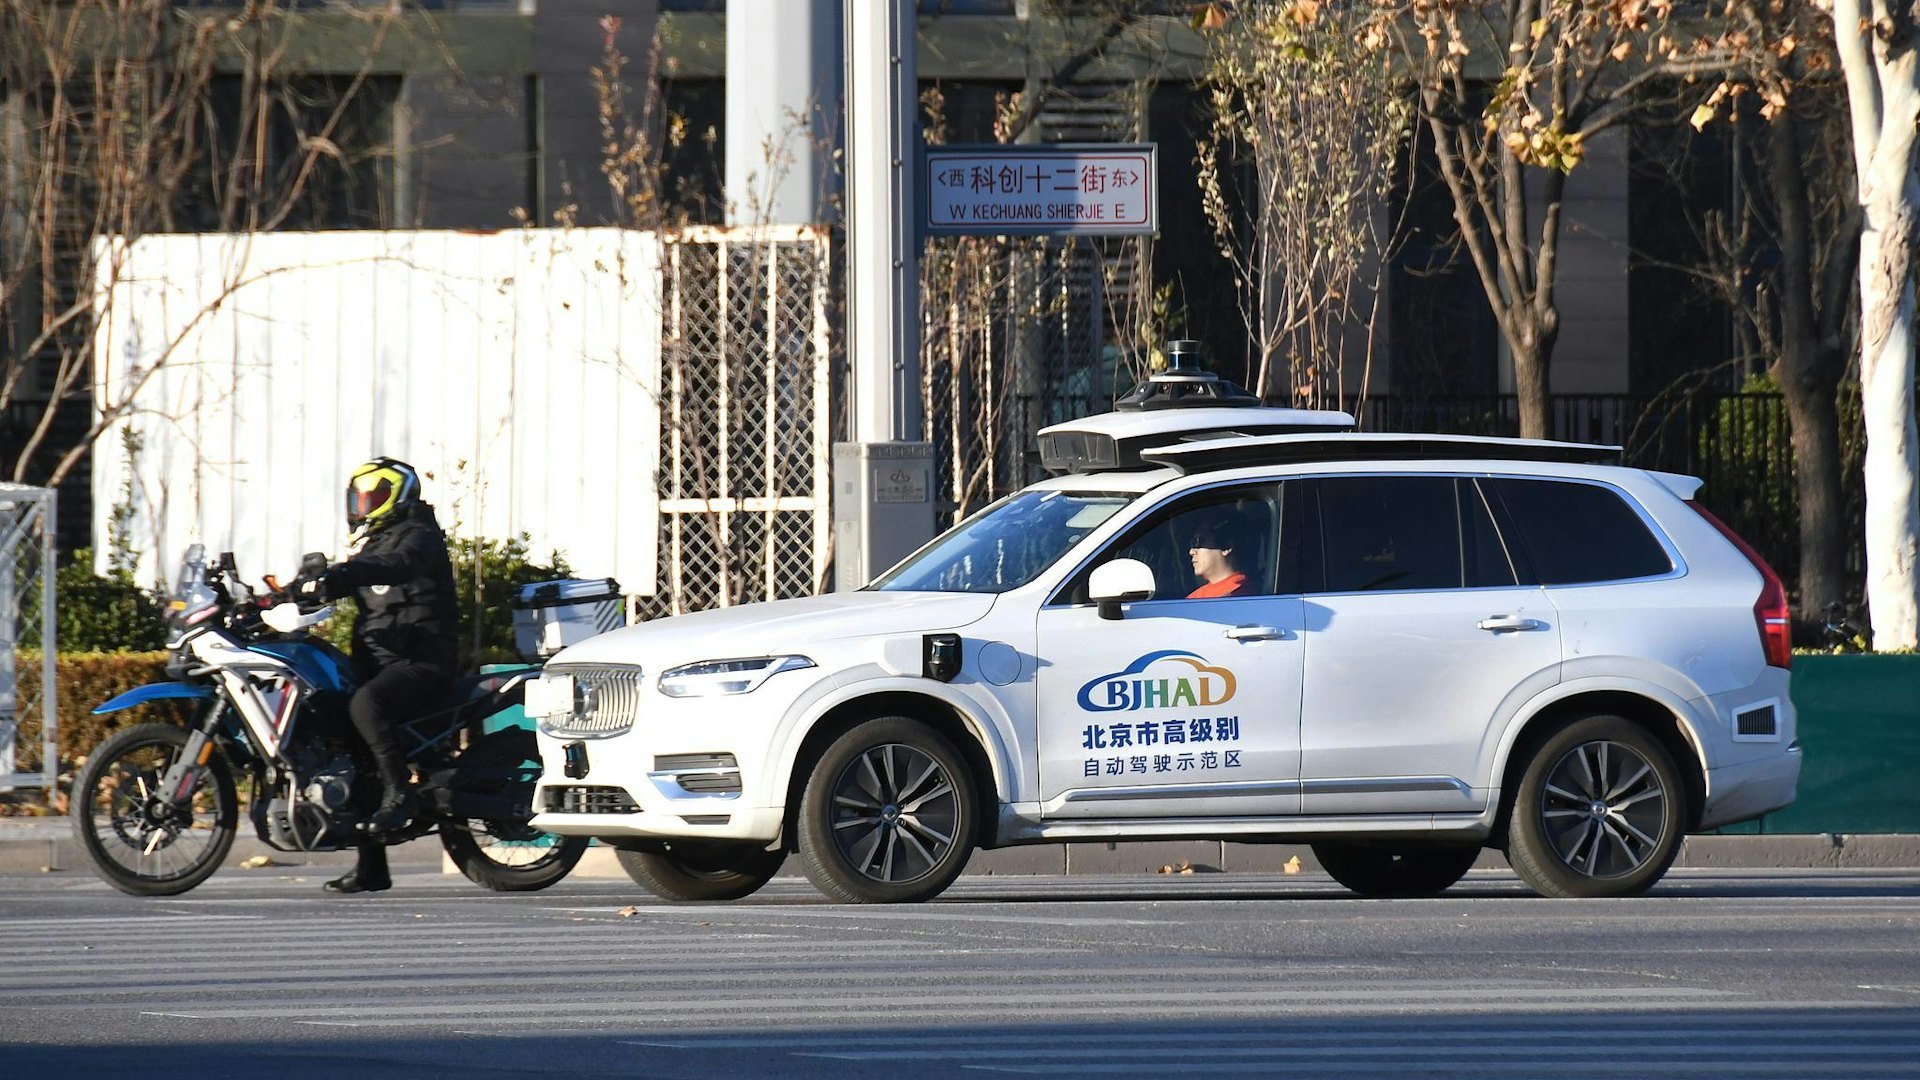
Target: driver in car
(1212,552)
(405,638)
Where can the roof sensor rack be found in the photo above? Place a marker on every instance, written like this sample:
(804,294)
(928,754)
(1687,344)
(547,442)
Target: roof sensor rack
(1228,453)
(1186,384)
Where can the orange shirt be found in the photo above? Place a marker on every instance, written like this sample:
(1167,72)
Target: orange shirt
(1232,585)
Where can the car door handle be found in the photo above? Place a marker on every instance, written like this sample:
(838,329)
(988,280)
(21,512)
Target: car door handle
(1501,624)
(1256,633)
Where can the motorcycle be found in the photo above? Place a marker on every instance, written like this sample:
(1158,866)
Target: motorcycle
(155,807)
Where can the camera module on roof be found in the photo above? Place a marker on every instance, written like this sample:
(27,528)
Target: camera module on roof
(1185,384)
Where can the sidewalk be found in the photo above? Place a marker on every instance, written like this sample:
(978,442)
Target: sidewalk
(32,845)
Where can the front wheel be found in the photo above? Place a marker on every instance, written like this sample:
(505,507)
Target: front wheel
(888,814)
(1599,812)
(702,869)
(139,839)
(1400,869)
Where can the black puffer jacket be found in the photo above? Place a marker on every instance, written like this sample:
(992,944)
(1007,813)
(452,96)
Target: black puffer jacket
(403,581)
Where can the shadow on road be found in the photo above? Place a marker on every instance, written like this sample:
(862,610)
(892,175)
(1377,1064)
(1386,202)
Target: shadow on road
(1801,1043)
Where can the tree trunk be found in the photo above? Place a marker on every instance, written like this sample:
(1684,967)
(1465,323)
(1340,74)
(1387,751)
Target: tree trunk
(1815,423)
(1531,349)
(1886,402)
(1883,98)
(1808,372)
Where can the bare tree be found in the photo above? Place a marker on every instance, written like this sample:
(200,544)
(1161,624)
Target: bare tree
(128,117)
(1319,116)
(1877,47)
(1780,91)
(1522,86)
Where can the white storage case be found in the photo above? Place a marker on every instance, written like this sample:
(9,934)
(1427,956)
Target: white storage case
(550,615)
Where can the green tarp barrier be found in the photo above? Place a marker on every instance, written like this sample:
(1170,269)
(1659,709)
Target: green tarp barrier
(1860,732)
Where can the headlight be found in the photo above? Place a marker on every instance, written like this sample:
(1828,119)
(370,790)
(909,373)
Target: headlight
(714,678)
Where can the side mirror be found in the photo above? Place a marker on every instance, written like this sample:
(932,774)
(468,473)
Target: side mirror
(1122,581)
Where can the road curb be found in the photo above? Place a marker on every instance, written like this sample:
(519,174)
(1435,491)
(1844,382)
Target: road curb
(32,845)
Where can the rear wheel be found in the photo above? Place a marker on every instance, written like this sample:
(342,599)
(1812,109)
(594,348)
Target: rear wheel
(888,814)
(508,855)
(1599,811)
(702,869)
(140,840)
(1396,869)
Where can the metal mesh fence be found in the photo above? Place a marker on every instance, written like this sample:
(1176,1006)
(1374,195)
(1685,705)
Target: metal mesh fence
(27,524)
(744,419)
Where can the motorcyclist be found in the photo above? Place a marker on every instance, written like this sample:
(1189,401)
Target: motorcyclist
(405,638)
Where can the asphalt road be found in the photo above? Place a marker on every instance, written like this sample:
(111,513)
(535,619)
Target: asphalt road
(1798,974)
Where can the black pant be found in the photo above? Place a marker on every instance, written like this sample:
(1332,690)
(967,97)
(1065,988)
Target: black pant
(396,693)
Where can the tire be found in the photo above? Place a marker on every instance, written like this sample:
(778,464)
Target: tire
(702,869)
(1600,811)
(509,856)
(888,816)
(512,864)
(139,843)
(1398,869)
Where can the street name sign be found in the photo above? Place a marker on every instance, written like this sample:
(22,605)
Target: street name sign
(1086,190)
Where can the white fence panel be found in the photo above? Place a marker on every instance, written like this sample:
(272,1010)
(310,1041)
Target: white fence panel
(520,370)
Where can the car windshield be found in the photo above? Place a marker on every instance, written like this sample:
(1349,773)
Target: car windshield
(1006,545)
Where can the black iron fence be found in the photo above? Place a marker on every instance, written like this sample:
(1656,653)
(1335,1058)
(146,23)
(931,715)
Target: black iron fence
(1738,444)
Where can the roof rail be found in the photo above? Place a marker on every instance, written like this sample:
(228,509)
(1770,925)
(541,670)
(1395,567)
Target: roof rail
(1229,452)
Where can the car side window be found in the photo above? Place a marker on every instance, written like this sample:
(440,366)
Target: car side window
(1389,533)
(1217,543)
(1571,533)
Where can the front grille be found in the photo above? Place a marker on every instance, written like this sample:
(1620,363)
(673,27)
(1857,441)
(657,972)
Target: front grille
(589,799)
(606,700)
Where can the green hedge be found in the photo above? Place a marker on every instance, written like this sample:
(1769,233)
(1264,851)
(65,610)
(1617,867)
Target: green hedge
(82,681)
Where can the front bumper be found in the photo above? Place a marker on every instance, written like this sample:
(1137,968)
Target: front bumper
(645,784)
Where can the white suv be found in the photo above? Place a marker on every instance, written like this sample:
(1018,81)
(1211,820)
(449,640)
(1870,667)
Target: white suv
(1224,623)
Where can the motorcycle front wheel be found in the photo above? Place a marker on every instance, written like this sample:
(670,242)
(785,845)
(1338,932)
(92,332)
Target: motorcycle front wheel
(139,840)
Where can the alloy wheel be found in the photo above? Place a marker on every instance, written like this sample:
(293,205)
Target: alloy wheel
(896,813)
(1604,809)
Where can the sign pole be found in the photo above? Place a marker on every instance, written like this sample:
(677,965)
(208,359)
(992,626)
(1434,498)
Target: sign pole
(883,288)
(883,481)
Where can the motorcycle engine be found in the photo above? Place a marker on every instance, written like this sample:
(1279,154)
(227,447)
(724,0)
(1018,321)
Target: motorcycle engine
(314,812)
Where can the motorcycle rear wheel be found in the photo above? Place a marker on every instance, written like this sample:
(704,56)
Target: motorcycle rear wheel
(509,856)
(137,841)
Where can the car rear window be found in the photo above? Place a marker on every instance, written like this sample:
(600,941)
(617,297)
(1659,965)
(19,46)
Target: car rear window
(1571,533)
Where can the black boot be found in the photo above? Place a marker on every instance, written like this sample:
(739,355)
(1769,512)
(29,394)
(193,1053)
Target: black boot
(396,796)
(369,874)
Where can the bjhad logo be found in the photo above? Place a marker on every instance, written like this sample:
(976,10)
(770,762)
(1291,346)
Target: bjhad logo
(1184,679)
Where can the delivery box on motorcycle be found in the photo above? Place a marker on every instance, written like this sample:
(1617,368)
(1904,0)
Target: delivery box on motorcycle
(550,615)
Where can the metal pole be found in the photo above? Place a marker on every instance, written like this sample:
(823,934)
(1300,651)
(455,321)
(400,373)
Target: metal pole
(782,101)
(883,481)
(883,288)
(49,688)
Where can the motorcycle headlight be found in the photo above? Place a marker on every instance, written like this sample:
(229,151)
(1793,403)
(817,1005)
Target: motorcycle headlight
(715,678)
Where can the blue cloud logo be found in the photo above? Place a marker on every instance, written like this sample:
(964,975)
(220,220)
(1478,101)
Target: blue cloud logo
(1184,680)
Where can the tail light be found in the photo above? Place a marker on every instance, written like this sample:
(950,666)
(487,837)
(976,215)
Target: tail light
(1770,612)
